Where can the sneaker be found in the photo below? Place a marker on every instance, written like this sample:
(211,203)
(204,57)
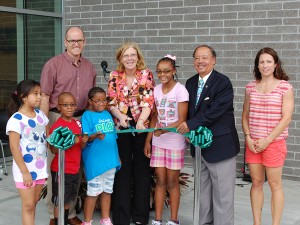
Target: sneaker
(170,222)
(106,221)
(87,223)
(156,222)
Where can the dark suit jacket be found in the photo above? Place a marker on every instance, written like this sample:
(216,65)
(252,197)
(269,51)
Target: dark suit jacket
(214,111)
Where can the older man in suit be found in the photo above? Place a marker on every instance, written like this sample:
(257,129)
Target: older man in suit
(211,105)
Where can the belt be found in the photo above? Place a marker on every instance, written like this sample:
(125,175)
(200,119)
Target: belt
(77,113)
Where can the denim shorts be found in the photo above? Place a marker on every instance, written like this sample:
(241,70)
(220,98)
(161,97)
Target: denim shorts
(101,183)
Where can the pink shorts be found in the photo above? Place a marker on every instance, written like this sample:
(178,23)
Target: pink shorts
(273,156)
(21,185)
(170,159)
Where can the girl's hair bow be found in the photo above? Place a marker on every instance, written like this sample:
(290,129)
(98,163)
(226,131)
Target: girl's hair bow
(171,57)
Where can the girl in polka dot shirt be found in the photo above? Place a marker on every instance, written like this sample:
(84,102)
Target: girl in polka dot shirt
(26,128)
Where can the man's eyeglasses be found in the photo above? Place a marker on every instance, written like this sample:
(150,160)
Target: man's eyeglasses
(160,72)
(197,58)
(132,56)
(73,42)
(68,105)
(99,102)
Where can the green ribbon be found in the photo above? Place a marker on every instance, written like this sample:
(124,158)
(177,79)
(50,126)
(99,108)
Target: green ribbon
(63,138)
(201,137)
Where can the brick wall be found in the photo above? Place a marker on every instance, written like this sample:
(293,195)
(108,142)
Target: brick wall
(236,29)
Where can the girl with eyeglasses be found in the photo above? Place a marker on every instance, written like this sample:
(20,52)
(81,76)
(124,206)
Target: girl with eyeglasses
(167,152)
(100,156)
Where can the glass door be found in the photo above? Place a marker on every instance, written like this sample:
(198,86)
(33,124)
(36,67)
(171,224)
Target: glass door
(30,34)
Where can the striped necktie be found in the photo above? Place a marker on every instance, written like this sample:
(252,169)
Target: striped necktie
(200,88)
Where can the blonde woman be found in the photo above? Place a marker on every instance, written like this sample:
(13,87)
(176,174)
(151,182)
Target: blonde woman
(130,92)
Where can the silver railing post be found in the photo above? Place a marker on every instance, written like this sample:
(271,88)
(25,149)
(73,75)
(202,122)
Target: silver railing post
(61,187)
(197,174)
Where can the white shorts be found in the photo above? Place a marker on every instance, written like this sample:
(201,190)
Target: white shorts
(101,183)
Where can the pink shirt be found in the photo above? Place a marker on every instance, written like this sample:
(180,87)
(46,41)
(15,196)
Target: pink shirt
(167,109)
(60,74)
(266,110)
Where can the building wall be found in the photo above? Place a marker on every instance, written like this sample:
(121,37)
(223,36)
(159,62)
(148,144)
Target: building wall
(236,29)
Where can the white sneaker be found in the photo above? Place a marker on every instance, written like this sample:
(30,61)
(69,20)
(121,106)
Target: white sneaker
(156,222)
(170,222)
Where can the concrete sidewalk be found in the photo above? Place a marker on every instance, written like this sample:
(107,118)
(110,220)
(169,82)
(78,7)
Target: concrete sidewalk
(10,204)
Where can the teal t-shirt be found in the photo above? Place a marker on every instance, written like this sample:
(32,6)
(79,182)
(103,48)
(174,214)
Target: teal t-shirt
(99,156)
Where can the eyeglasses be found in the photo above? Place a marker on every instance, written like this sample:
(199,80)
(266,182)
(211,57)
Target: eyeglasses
(68,105)
(73,42)
(131,56)
(99,102)
(160,72)
(197,58)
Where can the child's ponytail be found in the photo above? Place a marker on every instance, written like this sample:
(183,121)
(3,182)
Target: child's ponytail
(22,91)
(14,104)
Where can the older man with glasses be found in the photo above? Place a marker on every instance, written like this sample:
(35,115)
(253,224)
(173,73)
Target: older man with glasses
(211,106)
(67,72)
